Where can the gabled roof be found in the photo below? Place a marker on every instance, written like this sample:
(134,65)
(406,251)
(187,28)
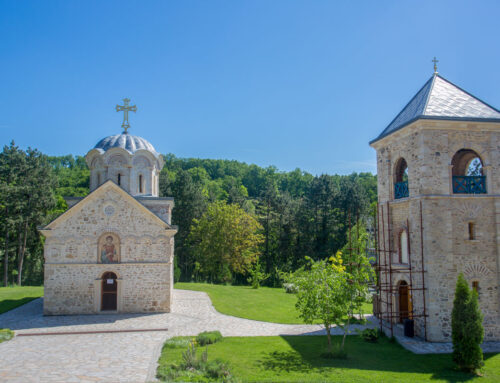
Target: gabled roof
(100,190)
(440,99)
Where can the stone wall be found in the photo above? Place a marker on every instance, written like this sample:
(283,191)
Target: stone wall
(76,288)
(428,148)
(144,246)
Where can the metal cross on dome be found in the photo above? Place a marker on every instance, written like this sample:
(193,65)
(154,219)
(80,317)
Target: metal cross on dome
(125,108)
(435,61)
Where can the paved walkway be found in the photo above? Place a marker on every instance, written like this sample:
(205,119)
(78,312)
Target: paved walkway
(114,357)
(131,356)
(419,346)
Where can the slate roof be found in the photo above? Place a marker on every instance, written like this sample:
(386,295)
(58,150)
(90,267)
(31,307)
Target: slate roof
(439,99)
(125,141)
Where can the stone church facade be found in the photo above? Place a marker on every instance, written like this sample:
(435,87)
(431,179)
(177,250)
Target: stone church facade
(438,167)
(112,251)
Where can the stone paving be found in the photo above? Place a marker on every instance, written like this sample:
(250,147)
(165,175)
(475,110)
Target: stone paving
(116,357)
(420,346)
(131,357)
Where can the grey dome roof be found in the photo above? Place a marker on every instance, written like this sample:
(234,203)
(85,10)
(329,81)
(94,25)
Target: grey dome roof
(126,141)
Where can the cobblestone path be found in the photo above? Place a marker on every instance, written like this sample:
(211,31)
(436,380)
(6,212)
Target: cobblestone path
(114,357)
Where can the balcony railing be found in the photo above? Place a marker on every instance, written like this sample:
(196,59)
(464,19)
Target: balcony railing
(469,184)
(401,190)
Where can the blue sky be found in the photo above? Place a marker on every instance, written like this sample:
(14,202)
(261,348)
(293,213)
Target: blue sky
(287,83)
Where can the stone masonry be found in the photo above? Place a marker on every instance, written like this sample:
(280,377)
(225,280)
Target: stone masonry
(428,147)
(73,271)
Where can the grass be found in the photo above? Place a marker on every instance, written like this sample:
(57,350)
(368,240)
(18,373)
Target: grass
(15,296)
(297,359)
(264,304)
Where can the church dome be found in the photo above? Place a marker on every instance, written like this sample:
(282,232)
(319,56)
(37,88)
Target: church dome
(125,141)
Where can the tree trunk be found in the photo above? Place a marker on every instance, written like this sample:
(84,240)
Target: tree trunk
(346,329)
(6,258)
(21,255)
(329,337)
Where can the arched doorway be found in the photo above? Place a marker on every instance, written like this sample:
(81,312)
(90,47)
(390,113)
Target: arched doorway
(403,301)
(109,292)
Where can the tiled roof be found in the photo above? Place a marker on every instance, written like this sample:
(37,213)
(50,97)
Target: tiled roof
(125,141)
(440,99)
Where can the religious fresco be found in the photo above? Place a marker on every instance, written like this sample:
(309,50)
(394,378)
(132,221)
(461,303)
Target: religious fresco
(109,248)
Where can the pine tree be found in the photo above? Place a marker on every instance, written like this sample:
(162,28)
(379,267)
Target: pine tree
(466,327)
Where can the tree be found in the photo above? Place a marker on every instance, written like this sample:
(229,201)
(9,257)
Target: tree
(466,328)
(323,294)
(226,241)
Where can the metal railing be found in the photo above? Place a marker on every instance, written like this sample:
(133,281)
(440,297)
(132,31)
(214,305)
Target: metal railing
(469,184)
(401,190)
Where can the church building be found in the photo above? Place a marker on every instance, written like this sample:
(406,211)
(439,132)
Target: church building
(112,251)
(438,167)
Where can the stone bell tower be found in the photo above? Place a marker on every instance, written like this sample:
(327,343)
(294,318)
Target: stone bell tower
(438,167)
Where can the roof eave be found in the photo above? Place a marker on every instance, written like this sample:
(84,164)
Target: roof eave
(438,118)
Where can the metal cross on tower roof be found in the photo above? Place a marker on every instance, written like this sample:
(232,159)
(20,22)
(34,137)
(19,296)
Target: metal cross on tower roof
(125,108)
(435,64)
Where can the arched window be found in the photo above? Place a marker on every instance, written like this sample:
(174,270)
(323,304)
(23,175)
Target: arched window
(119,179)
(403,246)
(401,179)
(98,179)
(467,172)
(140,183)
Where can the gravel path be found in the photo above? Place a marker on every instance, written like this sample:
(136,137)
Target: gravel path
(114,357)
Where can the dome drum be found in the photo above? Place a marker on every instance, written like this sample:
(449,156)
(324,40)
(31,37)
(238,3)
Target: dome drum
(129,161)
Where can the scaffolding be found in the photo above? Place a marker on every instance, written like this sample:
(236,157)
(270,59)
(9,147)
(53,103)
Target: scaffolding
(387,269)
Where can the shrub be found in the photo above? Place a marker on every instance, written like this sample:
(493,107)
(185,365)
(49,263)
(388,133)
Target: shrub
(6,334)
(194,368)
(290,288)
(370,335)
(466,328)
(177,342)
(208,337)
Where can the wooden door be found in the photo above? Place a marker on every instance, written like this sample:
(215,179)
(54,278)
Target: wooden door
(109,297)
(403,301)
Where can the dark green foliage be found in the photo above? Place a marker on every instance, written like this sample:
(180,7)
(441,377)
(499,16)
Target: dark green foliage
(208,337)
(27,200)
(370,334)
(300,213)
(467,329)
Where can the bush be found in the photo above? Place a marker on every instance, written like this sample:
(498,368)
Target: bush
(370,335)
(290,288)
(208,337)
(466,328)
(6,334)
(177,342)
(194,368)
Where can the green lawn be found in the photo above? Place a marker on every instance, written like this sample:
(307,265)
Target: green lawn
(265,304)
(12,297)
(297,359)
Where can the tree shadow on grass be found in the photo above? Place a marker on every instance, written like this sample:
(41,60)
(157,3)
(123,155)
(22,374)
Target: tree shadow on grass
(380,357)
(284,361)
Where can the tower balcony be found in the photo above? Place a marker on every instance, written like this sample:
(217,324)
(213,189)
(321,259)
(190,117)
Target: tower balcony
(401,190)
(469,184)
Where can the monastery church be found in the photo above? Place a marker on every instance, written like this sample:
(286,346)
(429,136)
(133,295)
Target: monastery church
(112,251)
(438,167)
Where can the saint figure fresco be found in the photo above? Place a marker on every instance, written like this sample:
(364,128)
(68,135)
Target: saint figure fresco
(109,250)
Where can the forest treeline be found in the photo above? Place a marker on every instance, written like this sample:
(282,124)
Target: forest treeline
(299,214)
